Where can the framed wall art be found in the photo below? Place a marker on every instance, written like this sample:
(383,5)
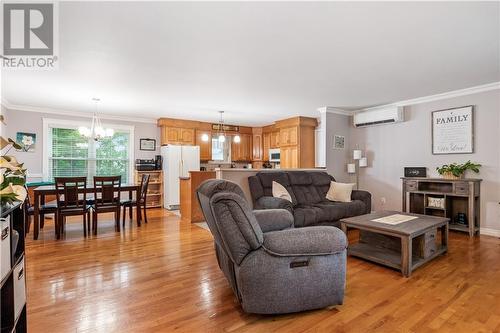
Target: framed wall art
(338,142)
(27,141)
(147,144)
(453,131)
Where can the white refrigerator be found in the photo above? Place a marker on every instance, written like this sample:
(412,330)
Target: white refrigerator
(177,162)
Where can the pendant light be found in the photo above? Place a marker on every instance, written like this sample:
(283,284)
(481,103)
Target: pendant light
(96,131)
(222,134)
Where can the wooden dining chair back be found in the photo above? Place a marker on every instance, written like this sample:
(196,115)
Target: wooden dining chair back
(71,196)
(29,211)
(107,193)
(142,195)
(144,187)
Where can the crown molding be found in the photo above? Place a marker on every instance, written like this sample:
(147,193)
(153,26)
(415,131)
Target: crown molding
(437,97)
(331,109)
(81,114)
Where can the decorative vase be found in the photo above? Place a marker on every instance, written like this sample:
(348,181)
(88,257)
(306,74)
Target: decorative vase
(449,175)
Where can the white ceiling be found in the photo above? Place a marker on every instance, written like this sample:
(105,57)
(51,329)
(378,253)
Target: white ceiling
(260,61)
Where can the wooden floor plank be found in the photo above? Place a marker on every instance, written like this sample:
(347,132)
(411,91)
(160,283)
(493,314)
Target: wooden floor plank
(163,277)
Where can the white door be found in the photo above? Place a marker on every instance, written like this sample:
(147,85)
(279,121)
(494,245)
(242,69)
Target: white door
(190,159)
(172,171)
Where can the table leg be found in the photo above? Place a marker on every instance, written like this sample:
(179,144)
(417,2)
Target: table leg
(343,227)
(406,253)
(36,216)
(444,236)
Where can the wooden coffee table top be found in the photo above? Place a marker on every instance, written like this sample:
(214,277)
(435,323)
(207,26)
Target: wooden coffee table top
(409,228)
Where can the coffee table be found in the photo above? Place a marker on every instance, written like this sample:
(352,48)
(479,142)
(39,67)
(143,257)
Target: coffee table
(404,246)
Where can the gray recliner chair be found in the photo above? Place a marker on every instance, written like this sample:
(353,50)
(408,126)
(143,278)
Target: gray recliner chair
(281,270)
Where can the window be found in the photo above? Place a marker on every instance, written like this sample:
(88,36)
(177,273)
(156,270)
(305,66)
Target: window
(221,151)
(68,154)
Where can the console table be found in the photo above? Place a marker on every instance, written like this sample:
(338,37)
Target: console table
(459,196)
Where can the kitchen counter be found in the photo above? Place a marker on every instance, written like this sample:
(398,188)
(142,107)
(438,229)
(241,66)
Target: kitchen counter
(240,177)
(189,208)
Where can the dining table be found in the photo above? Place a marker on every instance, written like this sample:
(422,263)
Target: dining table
(41,192)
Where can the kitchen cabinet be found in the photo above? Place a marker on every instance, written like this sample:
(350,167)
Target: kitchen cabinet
(266,144)
(275,139)
(242,151)
(205,146)
(288,136)
(296,142)
(257,151)
(289,157)
(177,135)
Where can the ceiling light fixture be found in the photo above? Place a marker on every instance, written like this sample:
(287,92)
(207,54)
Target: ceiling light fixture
(96,131)
(222,132)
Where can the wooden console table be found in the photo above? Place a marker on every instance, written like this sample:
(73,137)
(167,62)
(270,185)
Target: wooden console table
(459,196)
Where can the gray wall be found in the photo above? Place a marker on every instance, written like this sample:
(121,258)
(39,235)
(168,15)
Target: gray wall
(337,159)
(25,121)
(392,147)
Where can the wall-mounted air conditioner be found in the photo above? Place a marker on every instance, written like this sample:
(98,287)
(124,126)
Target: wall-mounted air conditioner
(386,115)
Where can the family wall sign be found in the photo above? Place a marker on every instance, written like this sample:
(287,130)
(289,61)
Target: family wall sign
(453,131)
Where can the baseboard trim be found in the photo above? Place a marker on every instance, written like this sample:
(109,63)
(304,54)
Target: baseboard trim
(490,232)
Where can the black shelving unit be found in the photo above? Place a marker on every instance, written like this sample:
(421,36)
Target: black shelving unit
(12,272)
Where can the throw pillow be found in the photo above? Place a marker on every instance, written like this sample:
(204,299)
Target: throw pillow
(340,192)
(279,191)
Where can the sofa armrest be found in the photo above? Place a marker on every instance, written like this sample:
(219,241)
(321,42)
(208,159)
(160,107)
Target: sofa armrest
(364,196)
(268,202)
(321,240)
(274,219)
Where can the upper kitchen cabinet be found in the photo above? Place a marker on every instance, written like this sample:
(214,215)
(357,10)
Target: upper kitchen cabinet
(288,136)
(275,139)
(257,143)
(205,145)
(242,151)
(179,136)
(177,131)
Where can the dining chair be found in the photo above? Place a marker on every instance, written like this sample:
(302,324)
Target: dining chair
(29,211)
(71,195)
(130,203)
(107,191)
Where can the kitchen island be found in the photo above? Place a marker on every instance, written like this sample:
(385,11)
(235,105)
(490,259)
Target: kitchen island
(240,177)
(189,208)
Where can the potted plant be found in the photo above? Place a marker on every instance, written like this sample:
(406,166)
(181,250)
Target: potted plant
(12,175)
(457,171)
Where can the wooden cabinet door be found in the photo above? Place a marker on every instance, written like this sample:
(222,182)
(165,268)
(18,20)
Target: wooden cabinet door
(257,147)
(266,144)
(294,157)
(173,134)
(187,136)
(235,151)
(289,157)
(275,139)
(205,146)
(284,158)
(293,137)
(288,136)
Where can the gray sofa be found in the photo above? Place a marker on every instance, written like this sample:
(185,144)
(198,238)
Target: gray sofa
(272,267)
(308,190)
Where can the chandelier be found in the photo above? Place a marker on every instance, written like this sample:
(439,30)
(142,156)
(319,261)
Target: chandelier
(96,131)
(222,130)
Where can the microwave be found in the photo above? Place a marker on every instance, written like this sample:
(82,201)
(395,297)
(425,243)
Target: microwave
(274,155)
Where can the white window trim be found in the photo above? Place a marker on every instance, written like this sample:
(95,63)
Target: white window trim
(49,123)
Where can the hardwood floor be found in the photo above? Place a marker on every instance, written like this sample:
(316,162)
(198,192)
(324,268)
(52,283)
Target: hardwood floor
(164,277)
